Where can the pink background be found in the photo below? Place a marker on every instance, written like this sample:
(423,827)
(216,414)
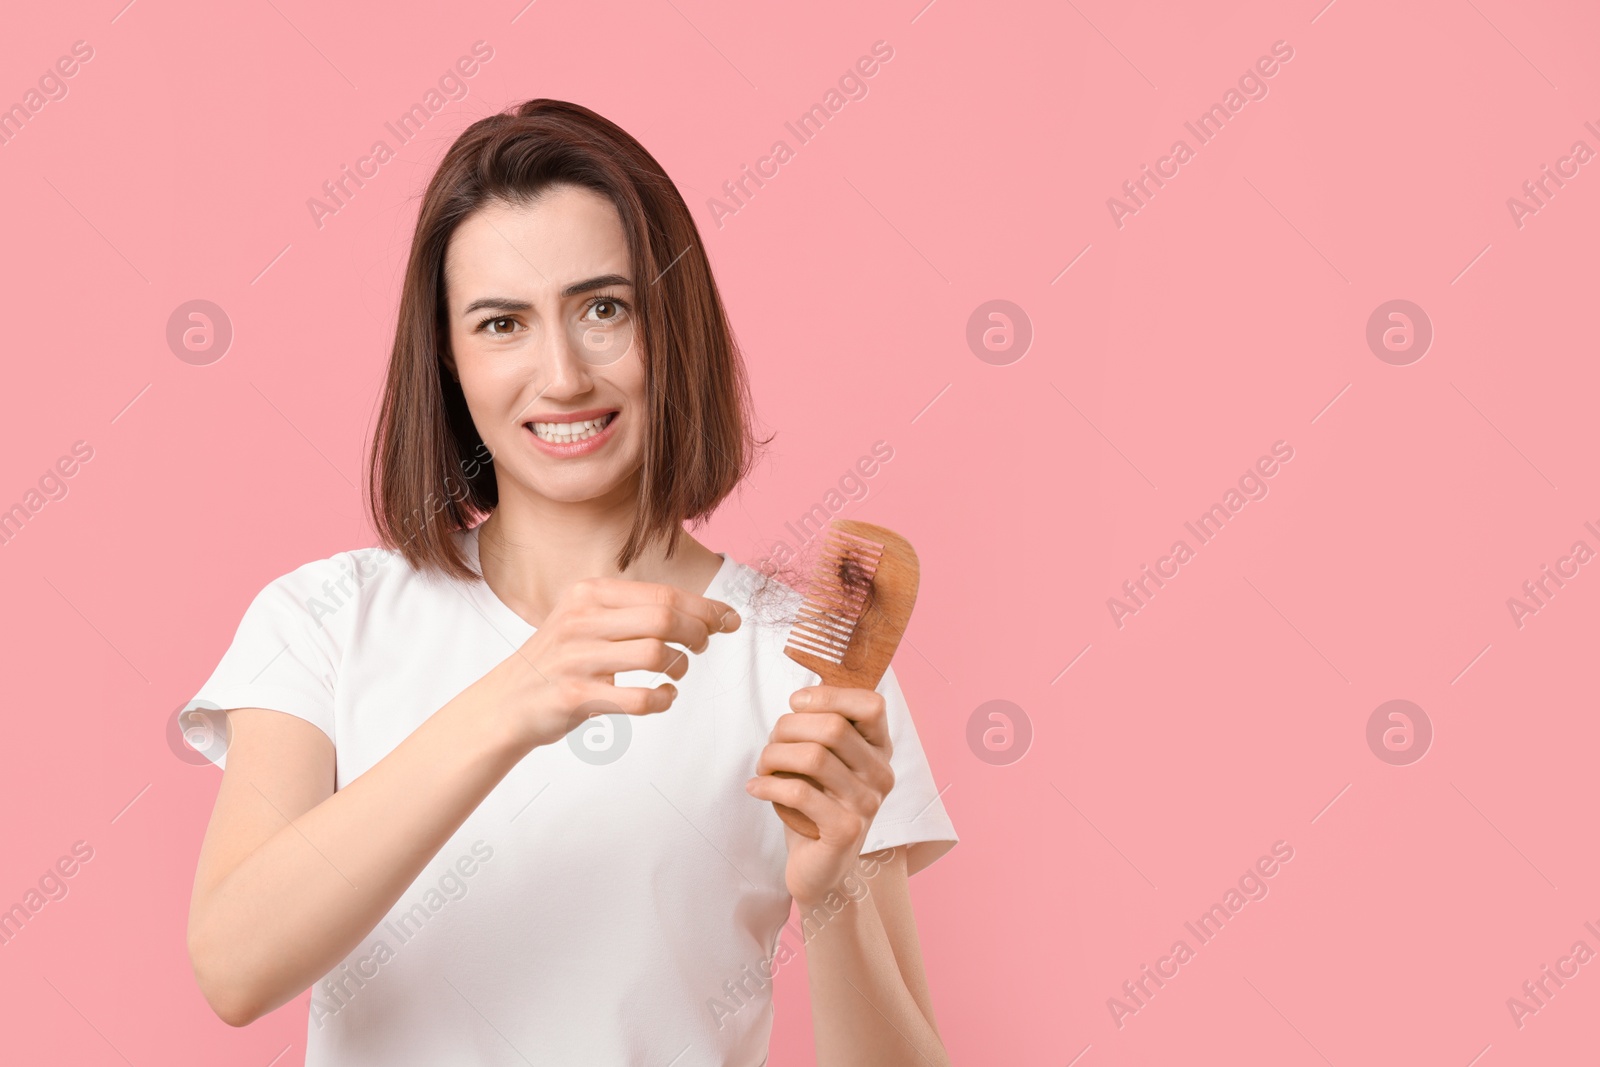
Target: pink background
(1229,313)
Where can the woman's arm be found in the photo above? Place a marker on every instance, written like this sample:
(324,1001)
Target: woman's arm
(293,874)
(869,995)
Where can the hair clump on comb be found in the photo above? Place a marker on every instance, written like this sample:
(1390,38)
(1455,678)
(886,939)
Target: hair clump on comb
(778,585)
(856,579)
(774,590)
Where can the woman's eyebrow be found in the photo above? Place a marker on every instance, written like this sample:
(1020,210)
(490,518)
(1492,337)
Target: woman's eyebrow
(603,281)
(496,303)
(500,303)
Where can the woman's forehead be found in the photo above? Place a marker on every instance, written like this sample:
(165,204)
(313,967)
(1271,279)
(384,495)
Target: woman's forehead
(542,247)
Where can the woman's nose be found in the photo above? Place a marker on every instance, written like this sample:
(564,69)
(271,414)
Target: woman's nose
(568,371)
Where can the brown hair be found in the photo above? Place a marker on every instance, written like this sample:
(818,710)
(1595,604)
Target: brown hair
(430,473)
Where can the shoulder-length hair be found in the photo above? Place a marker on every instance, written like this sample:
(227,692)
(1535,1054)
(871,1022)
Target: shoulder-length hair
(430,473)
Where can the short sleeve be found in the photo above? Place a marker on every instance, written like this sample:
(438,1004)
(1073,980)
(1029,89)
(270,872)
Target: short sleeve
(281,658)
(913,813)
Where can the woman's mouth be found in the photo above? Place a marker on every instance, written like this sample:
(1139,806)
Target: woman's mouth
(573,437)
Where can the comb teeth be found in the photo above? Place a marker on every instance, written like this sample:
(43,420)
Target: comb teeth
(839,587)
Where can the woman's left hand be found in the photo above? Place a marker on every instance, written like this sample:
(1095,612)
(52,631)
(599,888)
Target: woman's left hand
(838,737)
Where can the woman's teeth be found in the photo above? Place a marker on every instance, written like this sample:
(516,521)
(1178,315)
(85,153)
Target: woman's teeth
(566,433)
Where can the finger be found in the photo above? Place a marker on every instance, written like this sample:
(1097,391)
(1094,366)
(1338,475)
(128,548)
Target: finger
(716,616)
(644,654)
(659,621)
(840,735)
(630,699)
(822,766)
(864,707)
(835,822)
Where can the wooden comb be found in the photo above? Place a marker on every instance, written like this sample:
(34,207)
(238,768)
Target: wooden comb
(862,590)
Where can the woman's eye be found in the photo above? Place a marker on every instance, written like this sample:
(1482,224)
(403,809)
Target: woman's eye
(607,309)
(495,322)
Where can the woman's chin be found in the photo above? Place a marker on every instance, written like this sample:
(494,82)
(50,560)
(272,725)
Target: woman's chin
(591,483)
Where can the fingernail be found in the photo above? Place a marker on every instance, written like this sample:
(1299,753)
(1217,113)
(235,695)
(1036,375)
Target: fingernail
(802,700)
(730,619)
(750,786)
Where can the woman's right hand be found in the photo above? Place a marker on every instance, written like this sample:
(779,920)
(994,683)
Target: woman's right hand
(566,671)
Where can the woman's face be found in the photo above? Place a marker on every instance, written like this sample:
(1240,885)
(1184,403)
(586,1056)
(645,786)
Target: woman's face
(540,300)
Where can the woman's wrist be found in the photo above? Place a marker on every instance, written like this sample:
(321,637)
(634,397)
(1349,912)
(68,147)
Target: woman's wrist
(490,707)
(833,916)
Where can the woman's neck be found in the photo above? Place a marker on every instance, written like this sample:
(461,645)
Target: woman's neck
(531,553)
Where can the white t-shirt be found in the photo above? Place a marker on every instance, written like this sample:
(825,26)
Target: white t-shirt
(618,898)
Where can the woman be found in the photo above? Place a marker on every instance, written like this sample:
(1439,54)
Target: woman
(456,804)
